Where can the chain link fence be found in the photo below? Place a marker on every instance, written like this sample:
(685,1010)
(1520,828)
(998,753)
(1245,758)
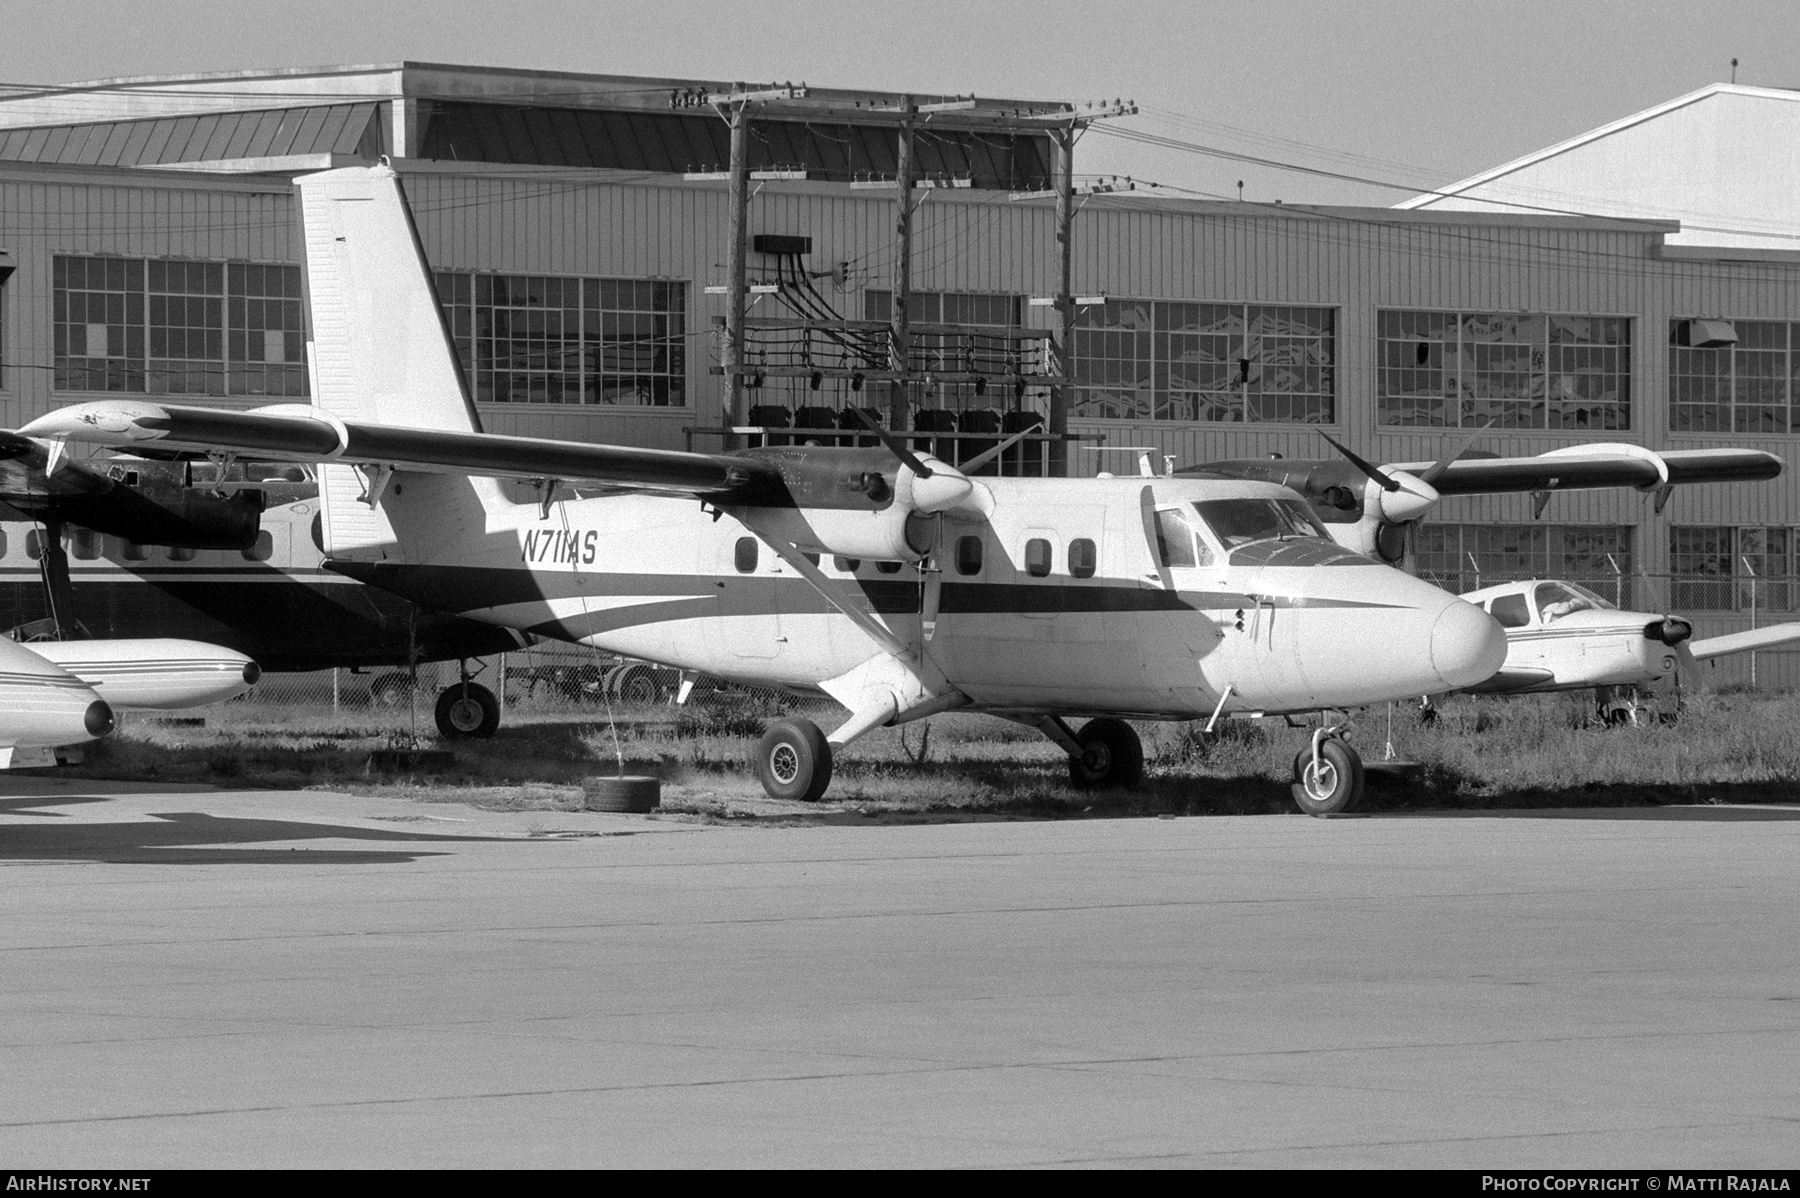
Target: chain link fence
(544,678)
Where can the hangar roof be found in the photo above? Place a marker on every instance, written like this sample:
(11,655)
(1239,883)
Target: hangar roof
(1724,161)
(271,119)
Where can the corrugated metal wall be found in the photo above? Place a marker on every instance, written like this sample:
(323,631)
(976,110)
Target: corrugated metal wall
(1356,261)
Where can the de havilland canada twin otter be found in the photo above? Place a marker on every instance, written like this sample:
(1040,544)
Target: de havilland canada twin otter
(896,584)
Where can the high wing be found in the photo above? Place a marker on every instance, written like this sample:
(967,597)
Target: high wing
(1743,642)
(302,433)
(1582,467)
(33,471)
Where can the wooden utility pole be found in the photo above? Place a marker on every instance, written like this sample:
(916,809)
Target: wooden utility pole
(1061,394)
(900,317)
(737,282)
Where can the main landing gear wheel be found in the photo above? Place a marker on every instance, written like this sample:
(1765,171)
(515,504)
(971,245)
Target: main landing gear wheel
(793,761)
(1111,756)
(1332,786)
(466,711)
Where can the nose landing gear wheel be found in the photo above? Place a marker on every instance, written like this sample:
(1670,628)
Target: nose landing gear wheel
(1332,786)
(1111,756)
(793,761)
(466,711)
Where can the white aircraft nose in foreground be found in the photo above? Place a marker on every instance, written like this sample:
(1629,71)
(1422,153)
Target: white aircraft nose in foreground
(43,706)
(891,581)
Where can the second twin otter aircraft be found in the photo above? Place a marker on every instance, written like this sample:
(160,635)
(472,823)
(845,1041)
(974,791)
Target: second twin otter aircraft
(896,584)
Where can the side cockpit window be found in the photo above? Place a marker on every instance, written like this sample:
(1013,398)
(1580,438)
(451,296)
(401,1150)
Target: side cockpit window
(1511,611)
(1178,543)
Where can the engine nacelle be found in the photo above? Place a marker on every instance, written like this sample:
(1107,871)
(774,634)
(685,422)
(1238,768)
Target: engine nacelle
(891,534)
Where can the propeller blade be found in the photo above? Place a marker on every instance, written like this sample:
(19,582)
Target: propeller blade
(1387,483)
(1442,466)
(934,594)
(983,458)
(895,446)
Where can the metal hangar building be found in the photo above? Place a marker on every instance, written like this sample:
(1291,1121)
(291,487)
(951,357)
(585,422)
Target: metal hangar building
(698,263)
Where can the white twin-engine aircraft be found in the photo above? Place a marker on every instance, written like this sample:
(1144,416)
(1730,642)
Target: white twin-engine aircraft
(894,583)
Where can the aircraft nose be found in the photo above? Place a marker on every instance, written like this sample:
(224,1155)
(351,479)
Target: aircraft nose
(98,718)
(1467,646)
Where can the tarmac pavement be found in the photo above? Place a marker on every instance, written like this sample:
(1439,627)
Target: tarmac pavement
(230,979)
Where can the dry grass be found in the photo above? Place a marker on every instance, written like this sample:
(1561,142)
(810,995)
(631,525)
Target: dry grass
(1482,753)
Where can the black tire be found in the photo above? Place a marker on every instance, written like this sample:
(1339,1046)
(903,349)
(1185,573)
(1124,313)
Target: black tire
(636,684)
(1338,785)
(793,761)
(1112,756)
(466,711)
(632,793)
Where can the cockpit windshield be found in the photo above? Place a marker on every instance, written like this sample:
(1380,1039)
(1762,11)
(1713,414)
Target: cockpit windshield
(1240,521)
(1558,599)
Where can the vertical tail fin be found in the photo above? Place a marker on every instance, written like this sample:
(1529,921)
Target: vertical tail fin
(381,352)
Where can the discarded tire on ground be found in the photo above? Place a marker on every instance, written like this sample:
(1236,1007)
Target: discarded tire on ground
(632,792)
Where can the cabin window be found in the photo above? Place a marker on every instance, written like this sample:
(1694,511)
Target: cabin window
(1083,557)
(87,544)
(847,565)
(2,544)
(263,549)
(1037,557)
(1511,611)
(135,552)
(887,567)
(811,557)
(34,544)
(968,555)
(180,553)
(1175,541)
(744,556)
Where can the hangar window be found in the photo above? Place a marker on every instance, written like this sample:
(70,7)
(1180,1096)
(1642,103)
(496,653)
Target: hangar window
(744,555)
(1517,370)
(1724,568)
(1467,557)
(1083,557)
(177,327)
(556,339)
(1223,363)
(1733,376)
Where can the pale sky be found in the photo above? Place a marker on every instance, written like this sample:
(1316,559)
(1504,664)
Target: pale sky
(1413,93)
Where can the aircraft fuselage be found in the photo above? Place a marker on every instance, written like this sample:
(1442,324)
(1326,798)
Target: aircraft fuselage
(1061,600)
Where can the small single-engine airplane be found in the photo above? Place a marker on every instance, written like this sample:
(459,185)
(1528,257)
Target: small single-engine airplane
(895,583)
(1561,636)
